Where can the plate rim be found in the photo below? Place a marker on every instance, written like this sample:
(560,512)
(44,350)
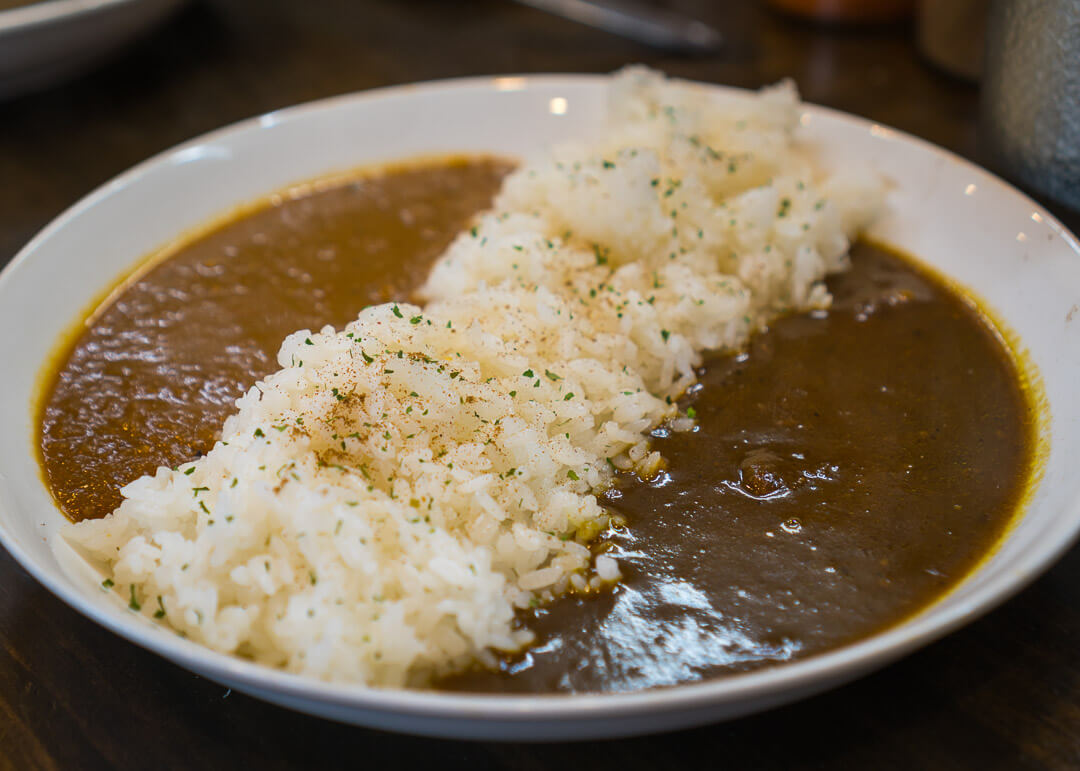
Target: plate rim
(842,663)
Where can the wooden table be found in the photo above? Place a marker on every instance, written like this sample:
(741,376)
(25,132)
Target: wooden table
(1002,693)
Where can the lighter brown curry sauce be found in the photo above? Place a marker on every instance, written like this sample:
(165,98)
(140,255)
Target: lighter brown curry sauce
(848,468)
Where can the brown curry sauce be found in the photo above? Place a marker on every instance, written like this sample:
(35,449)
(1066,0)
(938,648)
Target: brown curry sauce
(151,378)
(847,469)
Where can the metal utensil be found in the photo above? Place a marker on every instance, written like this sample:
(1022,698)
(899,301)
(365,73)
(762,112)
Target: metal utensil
(653,26)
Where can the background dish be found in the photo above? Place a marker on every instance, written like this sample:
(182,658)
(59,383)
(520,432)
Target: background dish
(43,42)
(944,210)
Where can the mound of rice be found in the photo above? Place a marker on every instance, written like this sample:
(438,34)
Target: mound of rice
(378,509)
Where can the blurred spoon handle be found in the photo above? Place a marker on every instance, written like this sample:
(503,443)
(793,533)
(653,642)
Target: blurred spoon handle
(652,26)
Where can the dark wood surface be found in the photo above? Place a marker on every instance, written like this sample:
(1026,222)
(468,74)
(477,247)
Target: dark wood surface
(1002,693)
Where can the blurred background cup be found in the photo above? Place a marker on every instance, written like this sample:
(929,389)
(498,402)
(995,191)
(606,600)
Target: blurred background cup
(1030,115)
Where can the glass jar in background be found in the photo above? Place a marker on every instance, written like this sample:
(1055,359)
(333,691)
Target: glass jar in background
(1029,127)
(848,11)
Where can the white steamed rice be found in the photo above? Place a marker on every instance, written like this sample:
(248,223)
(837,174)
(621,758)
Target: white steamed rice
(378,509)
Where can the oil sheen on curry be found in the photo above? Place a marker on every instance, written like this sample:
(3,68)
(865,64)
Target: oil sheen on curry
(848,468)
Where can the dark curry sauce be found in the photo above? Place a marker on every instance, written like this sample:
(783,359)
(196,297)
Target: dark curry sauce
(848,468)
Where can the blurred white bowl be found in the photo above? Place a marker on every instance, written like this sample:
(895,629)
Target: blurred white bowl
(44,42)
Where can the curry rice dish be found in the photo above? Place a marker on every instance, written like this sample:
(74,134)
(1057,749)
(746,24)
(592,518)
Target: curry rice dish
(812,507)
(844,469)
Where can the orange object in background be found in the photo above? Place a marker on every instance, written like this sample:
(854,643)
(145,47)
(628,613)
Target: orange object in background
(848,10)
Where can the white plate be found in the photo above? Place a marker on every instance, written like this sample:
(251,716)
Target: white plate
(969,224)
(47,41)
